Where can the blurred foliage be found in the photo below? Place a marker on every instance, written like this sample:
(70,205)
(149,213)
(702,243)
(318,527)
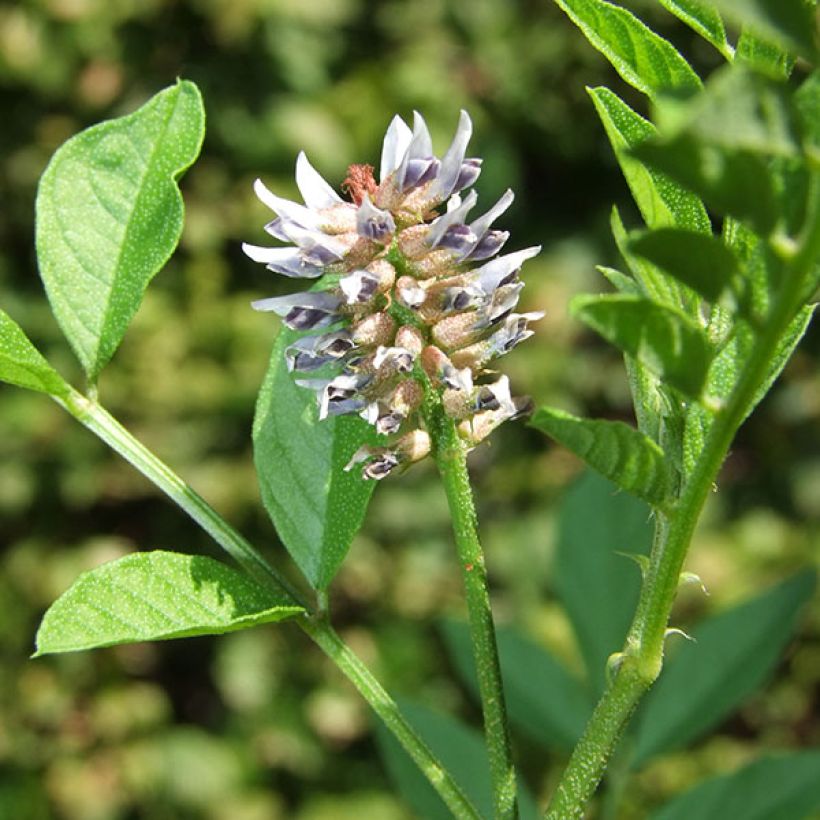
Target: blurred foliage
(257,725)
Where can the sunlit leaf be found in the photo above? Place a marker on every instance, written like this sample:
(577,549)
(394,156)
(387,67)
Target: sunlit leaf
(701,262)
(22,364)
(663,339)
(544,700)
(619,452)
(109,215)
(773,788)
(152,596)
(461,751)
(661,200)
(702,17)
(644,59)
(597,584)
(789,22)
(314,504)
(764,55)
(731,656)
(736,183)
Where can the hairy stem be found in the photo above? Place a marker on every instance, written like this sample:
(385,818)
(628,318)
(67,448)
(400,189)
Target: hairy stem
(106,427)
(642,657)
(451,459)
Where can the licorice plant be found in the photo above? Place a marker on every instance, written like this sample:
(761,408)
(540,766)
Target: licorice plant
(390,354)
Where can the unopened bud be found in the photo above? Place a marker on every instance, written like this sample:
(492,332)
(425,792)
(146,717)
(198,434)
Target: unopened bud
(376,329)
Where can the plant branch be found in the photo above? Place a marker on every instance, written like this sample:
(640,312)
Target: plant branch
(640,663)
(106,427)
(451,459)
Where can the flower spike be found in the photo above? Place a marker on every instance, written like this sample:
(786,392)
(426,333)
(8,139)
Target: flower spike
(415,298)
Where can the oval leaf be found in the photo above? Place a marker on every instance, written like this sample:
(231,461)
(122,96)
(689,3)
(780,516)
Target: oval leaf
(774,788)
(22,364)
(645,60)
(109,215)
(732,654)
(702,18)
(597,584)
(702,262)
(544,700)
(314,504)
(667,342)
(153,596)
(619,452)
(661,200)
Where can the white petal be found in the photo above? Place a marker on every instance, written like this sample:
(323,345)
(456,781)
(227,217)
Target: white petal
(451,161)
(285,208)
(494,272)
(266,255)
(419,147)
(396,141)
(479,226)
(317,193)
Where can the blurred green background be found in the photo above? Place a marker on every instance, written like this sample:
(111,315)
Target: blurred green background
(257,725)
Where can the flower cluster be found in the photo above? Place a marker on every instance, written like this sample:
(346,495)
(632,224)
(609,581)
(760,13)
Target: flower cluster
(413,295)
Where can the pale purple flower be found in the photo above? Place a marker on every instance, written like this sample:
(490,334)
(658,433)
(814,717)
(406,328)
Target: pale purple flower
(363,352)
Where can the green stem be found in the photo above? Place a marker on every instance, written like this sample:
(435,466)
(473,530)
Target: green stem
(640,662)
(106,427)
(451,459)
(385,707)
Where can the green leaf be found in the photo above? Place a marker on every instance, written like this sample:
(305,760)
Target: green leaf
(619,452)
(725,371)
(645,60)
(461,751)
(732,655)
(622,282)
(662,201)
(598,586)
(773,788)
(663,339)
(154,596)
(719,143)
(701,262)
(109,215)
(704,19)
(544,701)
(314,504)
(739,110)
(789,22)
(764,56)
(22,364)
(734,183)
